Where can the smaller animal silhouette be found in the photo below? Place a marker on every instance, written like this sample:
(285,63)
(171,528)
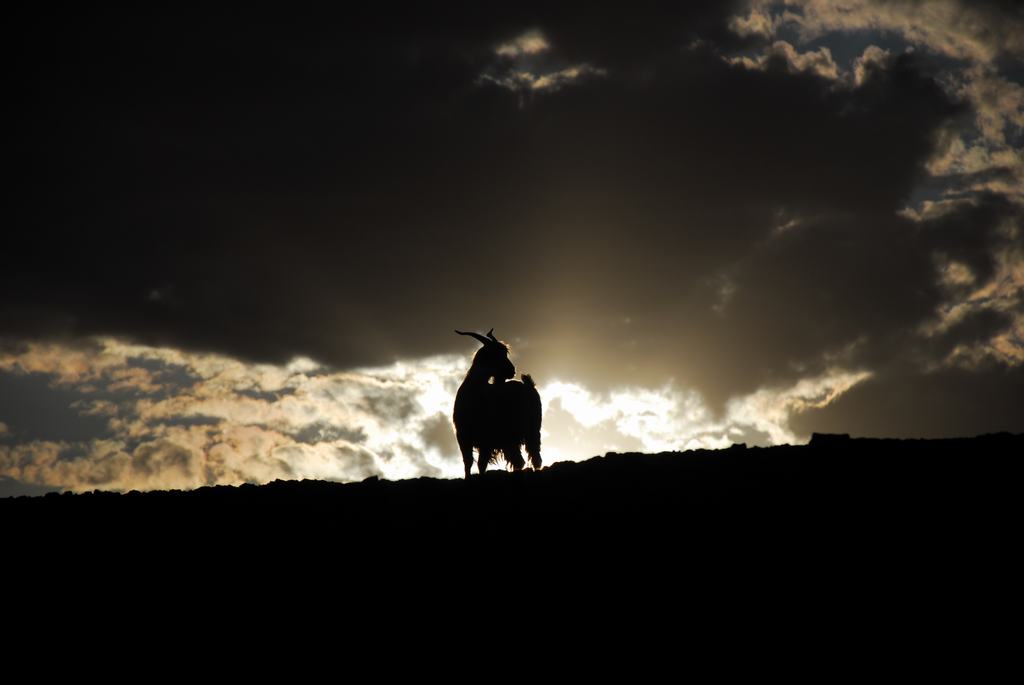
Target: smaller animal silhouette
(495,414)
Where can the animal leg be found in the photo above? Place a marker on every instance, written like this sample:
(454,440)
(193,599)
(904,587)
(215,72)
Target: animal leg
(467,455)
(533,449)
(486,454)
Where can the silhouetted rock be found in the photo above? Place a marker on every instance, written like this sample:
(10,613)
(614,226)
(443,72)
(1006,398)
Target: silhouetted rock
(829,439)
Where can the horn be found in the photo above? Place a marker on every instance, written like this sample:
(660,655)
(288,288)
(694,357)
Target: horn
(479,337)
(490,334)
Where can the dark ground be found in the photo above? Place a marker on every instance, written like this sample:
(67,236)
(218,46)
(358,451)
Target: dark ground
(835,556)
(834,496)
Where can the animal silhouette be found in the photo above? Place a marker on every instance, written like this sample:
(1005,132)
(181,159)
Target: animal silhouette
(495,414)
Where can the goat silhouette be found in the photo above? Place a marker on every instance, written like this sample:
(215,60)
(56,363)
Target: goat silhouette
(495,414)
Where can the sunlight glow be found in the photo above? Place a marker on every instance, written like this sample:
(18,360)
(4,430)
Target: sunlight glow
(181,420)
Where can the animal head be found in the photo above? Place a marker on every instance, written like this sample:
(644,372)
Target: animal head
(492,359)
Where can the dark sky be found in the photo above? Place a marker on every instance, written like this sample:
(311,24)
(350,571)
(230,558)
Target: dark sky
(734,196)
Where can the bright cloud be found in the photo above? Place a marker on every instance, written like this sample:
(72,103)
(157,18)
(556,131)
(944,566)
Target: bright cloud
(757,23)
(530,43)
(671,418)
(525,66)
(818,61)
(523,81)
(952,28)
(182,420)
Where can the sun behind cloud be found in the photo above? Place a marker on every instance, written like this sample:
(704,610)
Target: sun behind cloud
(173,419)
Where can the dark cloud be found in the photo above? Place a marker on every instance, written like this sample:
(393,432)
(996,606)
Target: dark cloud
(977,327)
(438,434)
(389,404)
(33,408)
(14,488)
(346,188)
(972,233)
(158,457)
(322,431)
(187,421)
(359,463)
(905,403)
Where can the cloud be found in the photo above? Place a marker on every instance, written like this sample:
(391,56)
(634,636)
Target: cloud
(976,31)
(757,23)
(317,423)
(349,192)
(982,322)
(530,43)
(265,251)
(670,418)
(983,155)
(817,62)
(952,402)
(872,58)
(522,70)
(559,79)
(551,81)
(770,410)
(999,103)
(228,422)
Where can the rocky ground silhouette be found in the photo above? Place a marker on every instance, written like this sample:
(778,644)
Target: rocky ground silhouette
(828,553)
(833,492)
